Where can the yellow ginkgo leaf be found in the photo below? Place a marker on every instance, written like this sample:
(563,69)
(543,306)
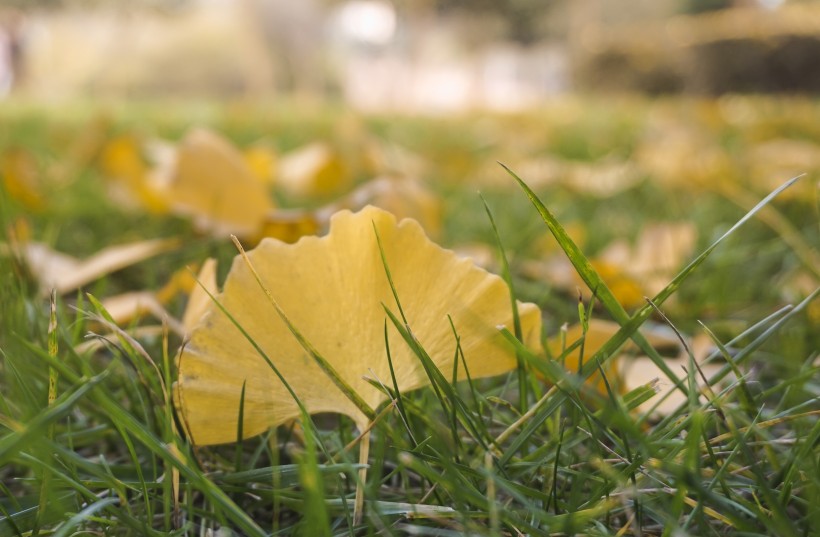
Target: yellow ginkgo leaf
(403,197)
(334,289)
(211,183)
(632,272)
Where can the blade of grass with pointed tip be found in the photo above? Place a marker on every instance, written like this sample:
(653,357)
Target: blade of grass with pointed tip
(239,429)
(315,519)
(591,278)
(396,393)
(53,377)
(132,347)
(507,276)
(755,344)
(631,325)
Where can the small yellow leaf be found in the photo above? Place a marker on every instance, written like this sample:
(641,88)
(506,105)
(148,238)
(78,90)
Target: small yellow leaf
(333,289)
(314,170)
(122,161)
(21,178)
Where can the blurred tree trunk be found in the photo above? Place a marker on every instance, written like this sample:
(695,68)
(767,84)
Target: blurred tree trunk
(262,80)
(293,33)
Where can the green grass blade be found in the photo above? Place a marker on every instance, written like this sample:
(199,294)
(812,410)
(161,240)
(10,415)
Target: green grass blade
(14,442)
(591,278)
(507,276)
(388,274)
(114,411)
(315,519)
(437,380)
(240,436)
(68,527)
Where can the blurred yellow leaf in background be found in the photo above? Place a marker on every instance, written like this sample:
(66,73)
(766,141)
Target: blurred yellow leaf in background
(64,273)
(210,181)
(21,178)
(122,161)
(315,170)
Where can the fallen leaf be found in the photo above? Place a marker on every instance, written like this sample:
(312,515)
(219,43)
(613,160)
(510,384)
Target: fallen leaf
(65,273)
(131,183)
(262,161)
(479,253)
(385,157)
(659,252)
(402,196)
(211,183)
(683,157)
(641,370)
(128,307)
(333,290)
(601,179)
(626,372)
(632,272)
(312,171)
(95,342)
(773,162)
(290,225)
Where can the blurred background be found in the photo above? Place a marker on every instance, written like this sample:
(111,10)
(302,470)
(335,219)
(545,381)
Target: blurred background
(649,126)
(426,56)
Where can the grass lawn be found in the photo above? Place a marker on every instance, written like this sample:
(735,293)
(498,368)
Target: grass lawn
(617,201)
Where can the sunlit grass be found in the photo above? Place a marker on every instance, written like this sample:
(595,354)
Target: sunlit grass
(480,458)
